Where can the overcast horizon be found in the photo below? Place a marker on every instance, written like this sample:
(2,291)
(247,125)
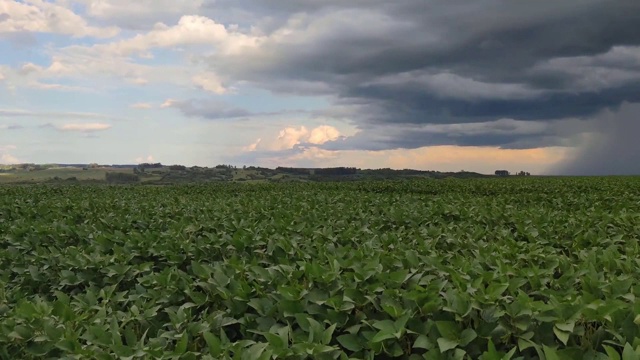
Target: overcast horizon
(546,87)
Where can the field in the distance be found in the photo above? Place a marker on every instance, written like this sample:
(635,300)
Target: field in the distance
(523,268)
(89,174)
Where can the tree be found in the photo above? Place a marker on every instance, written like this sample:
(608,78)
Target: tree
(121,178)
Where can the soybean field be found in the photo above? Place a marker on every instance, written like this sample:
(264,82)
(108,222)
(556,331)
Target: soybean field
(515,268)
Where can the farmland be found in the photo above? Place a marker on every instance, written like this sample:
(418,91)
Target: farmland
(520,268)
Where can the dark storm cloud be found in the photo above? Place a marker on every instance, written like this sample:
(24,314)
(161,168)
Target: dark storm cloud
(504,133)
(613,149)
(409,105)
(416,62)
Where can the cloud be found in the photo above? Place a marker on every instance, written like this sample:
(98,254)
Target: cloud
(290,137)
(126,61)
(123,60)
(7,112)
(28,68)
(138,81)
(544,63)
(11,127)
(611,148)
(139,14)
(209,82)
(252,147)
(39,16)
(619,66)
(169,103)
(190,30)
(322,134)
(538,76)
(502,133)
(8,159)
(48,86)
(142,159)
(83,127)
(212,110)
(4,148)
(141,105)
(78,64)
(451,86)
(5,157)
(84,68)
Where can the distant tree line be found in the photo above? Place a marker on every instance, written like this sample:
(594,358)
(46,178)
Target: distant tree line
(121,178)
(150,165)
(506,173)
(336,171)
(322,171)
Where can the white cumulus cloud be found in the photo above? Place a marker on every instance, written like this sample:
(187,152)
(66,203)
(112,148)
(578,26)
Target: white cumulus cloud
(84,127)
(190,30)
(322,134)
(5,157)
(142,159)
(209,82)
(39,16)
(9,159)
(169,103)
(140,13)
(289,137)
(141,105)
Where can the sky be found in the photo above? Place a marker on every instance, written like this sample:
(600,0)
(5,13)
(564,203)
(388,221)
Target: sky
(548,87)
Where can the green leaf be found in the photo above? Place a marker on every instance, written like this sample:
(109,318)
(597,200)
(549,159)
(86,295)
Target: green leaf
(446,344)
(283,333)
(563,336)
(550,353)
(611,352)
(214,344)
(350,342)
(448,329)
(491,353)
(254,352)
(181,345)
(274,340)
(316,330)
(467,336)
(423,342)
(495,290)
(401,322)
(327,335)
(566,327)
(22,332)
(38,349)
(199,270)
(510,354)
(66,345)
(381,336)
(53,333)
(386,326)
(629,354)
